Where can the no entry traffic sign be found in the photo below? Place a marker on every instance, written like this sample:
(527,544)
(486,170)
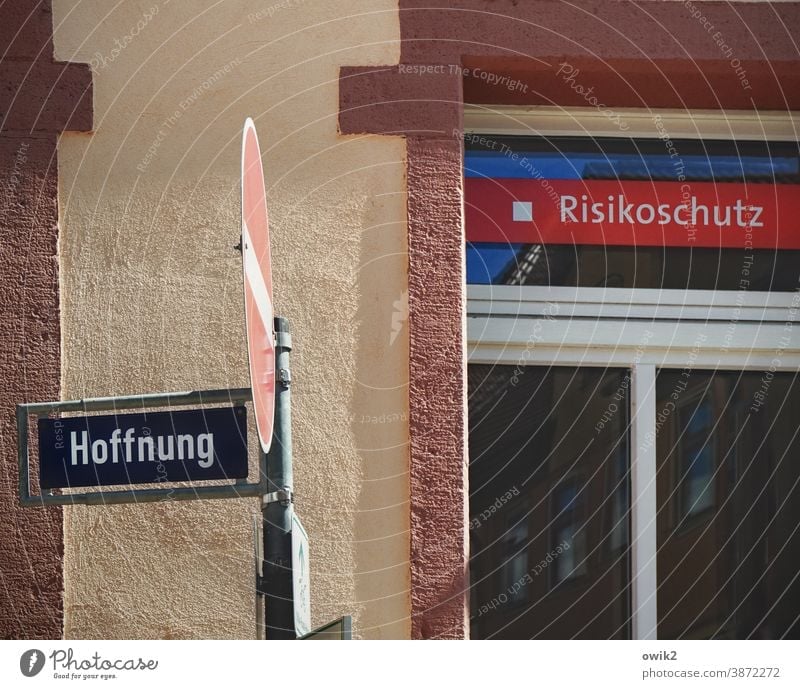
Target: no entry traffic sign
(259,311)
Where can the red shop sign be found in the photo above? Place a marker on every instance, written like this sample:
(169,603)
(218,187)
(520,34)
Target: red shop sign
(632,213)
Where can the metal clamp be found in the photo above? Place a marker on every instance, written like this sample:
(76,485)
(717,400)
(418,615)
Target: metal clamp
(285,497)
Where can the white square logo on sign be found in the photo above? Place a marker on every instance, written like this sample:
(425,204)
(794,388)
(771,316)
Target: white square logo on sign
(523,211)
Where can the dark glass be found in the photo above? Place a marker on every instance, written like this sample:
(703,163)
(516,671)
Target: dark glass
(729,504)
(549,502)
(698,160)
(642,267)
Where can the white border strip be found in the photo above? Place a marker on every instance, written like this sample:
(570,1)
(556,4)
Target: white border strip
(644,534)
(548,120)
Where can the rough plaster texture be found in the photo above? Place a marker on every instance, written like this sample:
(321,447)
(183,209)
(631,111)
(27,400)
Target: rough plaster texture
(152,299)
(38,98)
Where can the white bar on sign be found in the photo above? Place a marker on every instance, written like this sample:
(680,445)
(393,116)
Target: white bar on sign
(256,281)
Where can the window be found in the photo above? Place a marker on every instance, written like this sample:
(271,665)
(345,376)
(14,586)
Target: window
(696,452)
(515,543)
(685,518)
(618,486)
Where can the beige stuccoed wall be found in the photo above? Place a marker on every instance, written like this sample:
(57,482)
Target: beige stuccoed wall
(152,298)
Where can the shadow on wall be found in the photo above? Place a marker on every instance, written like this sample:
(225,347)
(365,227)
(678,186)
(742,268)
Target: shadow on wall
(379,421)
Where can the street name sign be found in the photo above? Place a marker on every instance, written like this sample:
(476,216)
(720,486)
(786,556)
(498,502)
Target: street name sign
(152,447)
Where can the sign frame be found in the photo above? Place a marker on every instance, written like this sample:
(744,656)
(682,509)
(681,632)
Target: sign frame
(239,489)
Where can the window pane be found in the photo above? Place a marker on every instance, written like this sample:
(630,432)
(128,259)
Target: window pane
(728,504)
(549,509)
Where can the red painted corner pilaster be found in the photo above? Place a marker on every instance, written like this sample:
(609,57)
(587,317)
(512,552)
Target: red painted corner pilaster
(424,103)
(437,390)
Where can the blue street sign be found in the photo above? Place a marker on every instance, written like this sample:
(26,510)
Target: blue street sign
(152,447)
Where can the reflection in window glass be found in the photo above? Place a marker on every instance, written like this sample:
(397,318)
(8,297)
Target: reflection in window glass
(543,441)
(728,441)
(575,158)
(571,563)
(697,458)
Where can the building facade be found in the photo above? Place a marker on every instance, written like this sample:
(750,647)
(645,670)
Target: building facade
(487,438)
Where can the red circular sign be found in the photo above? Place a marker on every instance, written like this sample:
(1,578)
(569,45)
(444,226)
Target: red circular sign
(257,261)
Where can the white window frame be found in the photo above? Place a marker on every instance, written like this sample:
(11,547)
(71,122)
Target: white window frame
(639,329)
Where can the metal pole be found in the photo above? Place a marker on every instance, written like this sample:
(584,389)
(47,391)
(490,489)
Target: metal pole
(277,505)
